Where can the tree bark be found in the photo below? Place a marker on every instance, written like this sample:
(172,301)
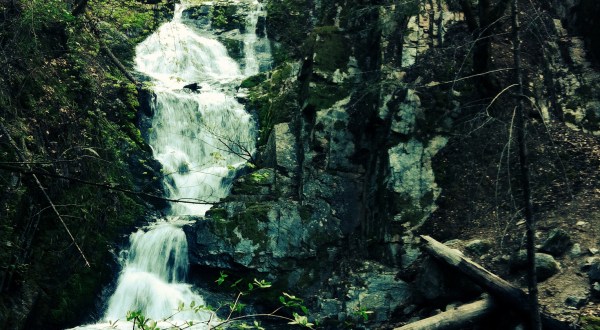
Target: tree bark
(504,292)
(458,318)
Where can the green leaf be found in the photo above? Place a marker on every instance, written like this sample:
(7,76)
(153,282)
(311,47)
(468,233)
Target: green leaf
(221,278)
(301,320)
(304,309)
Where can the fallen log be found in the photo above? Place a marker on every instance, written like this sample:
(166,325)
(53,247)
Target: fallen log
(502,291)
(457,318)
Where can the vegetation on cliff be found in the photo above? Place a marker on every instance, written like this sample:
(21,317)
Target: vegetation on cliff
(67,117)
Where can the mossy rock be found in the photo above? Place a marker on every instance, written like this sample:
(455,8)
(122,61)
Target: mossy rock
(253,81)
(331,49)
(274,100)
(247,223)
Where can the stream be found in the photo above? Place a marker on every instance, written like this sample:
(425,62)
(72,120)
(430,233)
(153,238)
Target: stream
(200,138)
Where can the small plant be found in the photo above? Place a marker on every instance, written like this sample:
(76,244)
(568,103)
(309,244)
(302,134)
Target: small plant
(363,313)
(235,318)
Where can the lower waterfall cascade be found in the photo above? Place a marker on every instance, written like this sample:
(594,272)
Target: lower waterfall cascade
(201,138)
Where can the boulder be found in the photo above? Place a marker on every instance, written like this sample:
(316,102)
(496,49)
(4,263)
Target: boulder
(478,247)
(545,264)
(575,301)
(595,290)
(557,243)
(594,272)
(194,87)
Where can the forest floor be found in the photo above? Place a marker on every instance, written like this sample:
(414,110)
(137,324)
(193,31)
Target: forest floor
(480,200)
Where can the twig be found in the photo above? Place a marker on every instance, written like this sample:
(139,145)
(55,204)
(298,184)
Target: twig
(39,184)
(103,185)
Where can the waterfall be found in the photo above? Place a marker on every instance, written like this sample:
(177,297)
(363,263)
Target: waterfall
(200,137)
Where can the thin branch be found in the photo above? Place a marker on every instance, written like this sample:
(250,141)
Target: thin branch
(497,96)
(98,35)
(37,181)
(435,83)
(39,184)
(104,185)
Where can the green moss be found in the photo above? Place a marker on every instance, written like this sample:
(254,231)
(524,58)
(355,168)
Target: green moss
(306,212)
(323,95)
(246,223)
(255,183)
(289,22)
(253,81)
(217,213)
(256,212)
(274,99)
(331,48)
(226,18)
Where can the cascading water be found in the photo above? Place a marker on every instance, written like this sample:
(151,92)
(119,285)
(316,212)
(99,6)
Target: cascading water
(200,138)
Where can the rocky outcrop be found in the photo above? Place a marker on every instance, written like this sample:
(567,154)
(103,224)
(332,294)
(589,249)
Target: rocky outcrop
(569,77)
(346,171)
(231,21)
(347,141)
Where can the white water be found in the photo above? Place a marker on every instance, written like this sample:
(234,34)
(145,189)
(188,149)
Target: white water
(193,134)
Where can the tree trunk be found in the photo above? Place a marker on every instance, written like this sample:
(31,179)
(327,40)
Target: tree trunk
(534,321)
(505,293)
(458,318)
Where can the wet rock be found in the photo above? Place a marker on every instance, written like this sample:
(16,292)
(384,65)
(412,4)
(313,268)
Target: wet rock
(557,243)
(412,178)
(194,87)
(404,120)
(587,263)
(545,266)
(147,100)
(281,154)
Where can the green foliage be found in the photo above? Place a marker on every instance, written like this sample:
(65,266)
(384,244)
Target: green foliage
(274,99)
(590,323)
(133,18)
(233,315)
(226,17)
(331,48)
(363,313)
(289,22)
(72,114)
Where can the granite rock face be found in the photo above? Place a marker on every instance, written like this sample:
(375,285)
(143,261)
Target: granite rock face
(346,153)
(344,176)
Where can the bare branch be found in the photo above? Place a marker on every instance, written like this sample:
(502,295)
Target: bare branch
(39,184)
(108,186)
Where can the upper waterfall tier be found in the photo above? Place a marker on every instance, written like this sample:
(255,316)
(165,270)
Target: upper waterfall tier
(176,54)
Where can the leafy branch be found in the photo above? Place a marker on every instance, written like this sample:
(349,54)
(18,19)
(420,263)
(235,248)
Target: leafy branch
(299,313)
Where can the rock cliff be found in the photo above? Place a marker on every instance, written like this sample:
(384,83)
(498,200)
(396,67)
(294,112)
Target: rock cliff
(360,101)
